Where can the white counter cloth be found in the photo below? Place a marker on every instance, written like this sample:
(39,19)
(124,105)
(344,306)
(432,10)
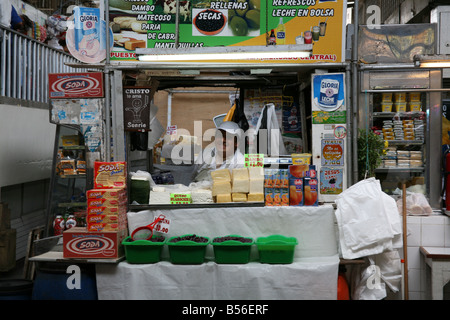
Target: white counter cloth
(313,275)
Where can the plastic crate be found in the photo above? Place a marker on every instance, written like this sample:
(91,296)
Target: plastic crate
(142,251)
(187,251)
(276,249)
(232,251)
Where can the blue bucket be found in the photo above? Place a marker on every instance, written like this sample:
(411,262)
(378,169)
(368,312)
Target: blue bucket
(16,289)
(50,283)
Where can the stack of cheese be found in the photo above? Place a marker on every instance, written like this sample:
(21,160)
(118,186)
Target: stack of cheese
(241,185)
(161,194)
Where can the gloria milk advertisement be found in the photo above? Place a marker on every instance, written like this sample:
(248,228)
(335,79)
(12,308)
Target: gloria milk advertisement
(210,23)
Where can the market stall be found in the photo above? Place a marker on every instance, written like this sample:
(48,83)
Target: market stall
(285,188)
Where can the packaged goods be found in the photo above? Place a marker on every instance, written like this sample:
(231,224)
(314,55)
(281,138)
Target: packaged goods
(400,106)
(67,166)
(221,187)
(93,227)
(79,243)
(268,178)
(400,97)
(110,174)
(240,181)
(276,197)
(70,141)
(115,203)
(159,197)
(202,196)
(386,106)
(302,170)
(107,218)
(296,192)
(310,190)
(221,198)
(221,175)
(415,106)
(106,194)
(268,197)
(414,96)
(239,197)
(301,158)
(387,97)
(105,210)
(284,192)
(255,197)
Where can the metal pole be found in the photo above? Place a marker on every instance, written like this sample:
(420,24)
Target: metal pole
(355,91)
(107,90)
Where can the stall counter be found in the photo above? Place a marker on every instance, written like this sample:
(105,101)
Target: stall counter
(312,275)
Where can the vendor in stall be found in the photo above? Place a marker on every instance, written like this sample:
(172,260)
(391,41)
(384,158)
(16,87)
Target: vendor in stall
(225,153)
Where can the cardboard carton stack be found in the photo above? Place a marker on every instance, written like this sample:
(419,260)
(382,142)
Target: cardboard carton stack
(106,216)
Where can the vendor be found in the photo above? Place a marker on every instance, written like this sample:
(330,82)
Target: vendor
(226,152)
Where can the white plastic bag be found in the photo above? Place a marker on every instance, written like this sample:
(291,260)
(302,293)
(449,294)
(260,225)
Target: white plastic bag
(416,205)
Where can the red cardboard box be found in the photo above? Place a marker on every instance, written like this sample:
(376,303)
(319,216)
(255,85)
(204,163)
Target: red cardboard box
(79,243)
(110,175)
(106,194)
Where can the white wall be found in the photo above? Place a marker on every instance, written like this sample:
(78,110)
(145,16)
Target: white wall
(26,144)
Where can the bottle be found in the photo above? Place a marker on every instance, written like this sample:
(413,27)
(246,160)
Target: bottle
(71,222)
(281,32)
(272,38)
(58,225)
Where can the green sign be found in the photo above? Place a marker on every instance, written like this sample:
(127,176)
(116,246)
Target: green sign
(332,117)
(180,198)
(254,159)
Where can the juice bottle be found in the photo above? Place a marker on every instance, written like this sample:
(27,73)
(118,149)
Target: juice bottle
(281,32)
(272,38)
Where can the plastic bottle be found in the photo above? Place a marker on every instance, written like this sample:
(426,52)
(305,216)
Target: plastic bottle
(343,291)
(71,222)
(281,32)
(58,225)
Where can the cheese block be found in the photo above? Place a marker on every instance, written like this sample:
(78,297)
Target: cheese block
(255,197)
(159,197)
(240,180)
(239,197)
(221,187)
(256,185)
(255,173)
(133,44)
(221,175)
(220,198)
(201,196)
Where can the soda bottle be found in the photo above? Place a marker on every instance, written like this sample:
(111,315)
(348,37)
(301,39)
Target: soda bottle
(272,38)
(281,32)
(58,225)
(71,222)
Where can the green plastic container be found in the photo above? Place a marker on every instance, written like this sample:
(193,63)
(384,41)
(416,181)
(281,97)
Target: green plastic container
(142,251)
(276,249)
(187,251)
(232,251)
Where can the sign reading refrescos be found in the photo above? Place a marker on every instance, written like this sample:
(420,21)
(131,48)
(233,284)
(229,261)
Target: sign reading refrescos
(152,24)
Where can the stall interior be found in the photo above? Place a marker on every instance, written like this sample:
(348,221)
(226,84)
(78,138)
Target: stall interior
(187,112)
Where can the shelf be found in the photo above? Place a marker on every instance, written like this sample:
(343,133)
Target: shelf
(139,207)
(71,176)
(397,169)
(410,142)
(71,204)
(72,147)
(410,114)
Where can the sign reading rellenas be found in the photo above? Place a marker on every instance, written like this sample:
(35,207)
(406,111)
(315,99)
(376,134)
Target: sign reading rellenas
(151,24)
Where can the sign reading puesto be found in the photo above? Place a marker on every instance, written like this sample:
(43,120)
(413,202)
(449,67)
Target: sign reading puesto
(152,24)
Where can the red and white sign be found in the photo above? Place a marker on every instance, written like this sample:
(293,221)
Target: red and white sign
(75,85)
(79,243)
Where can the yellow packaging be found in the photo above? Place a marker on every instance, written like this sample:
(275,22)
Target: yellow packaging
(70,141)
(400,107)
(415,106)
(387,97)
(414,96)
(400,97)
(386,107)
(301,158)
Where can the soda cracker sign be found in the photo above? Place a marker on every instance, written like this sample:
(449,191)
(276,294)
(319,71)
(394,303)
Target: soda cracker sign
(110,174)
(75,85)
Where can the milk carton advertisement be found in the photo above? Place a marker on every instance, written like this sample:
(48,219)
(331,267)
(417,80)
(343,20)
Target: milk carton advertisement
(328,91)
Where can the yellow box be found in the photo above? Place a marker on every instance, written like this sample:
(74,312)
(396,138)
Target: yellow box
(400,107)
(400,96)
(386,107)
(301,158)
(414,96)
(415,106)
(387,97)
(70,141)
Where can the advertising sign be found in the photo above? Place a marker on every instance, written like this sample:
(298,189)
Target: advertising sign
(75,85)
(328,91)
(136,108)
(151,24)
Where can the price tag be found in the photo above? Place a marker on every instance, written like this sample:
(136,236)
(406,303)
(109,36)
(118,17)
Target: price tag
(180,198)
(162,226)
(254,159)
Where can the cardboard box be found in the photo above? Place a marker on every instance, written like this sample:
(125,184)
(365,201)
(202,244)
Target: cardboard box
(296,192)
(102,202)
(106,194)
(310,190)
(79,243)
(110,175)
(106,210)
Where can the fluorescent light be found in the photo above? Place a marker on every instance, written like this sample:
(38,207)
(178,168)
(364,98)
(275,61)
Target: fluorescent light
(432,61)
(209,54)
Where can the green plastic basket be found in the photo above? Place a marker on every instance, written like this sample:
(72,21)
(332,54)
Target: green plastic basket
(187,251)
(276,249)
(232,251)
(142,251)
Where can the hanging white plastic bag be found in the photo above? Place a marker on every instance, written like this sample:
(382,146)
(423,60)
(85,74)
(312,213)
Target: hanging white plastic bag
(416,205)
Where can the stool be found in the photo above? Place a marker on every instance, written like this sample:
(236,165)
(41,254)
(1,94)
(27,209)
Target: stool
(438,259)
